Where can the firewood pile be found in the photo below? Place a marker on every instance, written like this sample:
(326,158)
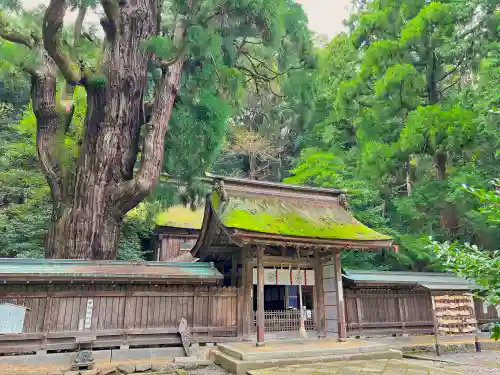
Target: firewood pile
(455,314)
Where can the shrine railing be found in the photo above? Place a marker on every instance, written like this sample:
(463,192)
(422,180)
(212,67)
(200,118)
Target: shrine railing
(285,320)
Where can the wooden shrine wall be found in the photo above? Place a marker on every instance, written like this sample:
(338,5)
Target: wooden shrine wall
(118,314)
(379,311)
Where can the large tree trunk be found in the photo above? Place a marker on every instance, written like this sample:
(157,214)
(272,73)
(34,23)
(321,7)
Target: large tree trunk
(92,196)
(449,218)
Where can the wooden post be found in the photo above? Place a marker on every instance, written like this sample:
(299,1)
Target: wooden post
(302,328)
(320,296)
(247,289)
(436,327)
(359,309)
(402,312)
(234,269)
(340,296)
(260,296)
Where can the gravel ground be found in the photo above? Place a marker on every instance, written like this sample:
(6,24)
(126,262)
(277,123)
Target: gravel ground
(209,370)
(458,369)
(485,358)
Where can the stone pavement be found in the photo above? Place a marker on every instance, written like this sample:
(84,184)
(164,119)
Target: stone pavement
(373,367)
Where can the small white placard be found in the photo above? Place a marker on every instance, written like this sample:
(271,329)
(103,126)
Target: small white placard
(88,313)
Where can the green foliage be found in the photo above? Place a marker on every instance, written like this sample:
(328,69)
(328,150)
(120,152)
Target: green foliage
(468,261)
(24,193)
(405,116)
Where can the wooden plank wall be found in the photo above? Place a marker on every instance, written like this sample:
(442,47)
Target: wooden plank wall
(383,311)
(486,314)
(170,247)
(121,314)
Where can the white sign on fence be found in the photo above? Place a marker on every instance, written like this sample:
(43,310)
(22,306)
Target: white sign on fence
(11,318)
(88,313)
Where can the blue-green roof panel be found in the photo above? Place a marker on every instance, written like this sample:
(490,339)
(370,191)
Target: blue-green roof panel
(429,280)
(85,269)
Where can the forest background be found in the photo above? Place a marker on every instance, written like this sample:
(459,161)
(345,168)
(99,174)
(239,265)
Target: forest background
(402,109)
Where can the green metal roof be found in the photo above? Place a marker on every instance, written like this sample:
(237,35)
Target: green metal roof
(429,280)
(290,216)
(58,269)
(180,216)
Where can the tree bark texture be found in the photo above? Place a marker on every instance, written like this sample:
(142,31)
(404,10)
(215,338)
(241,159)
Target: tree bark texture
(92,196)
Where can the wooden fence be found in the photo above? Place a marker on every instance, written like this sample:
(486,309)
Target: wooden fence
(486,314)
(284,321)
(383,311)
(116,315)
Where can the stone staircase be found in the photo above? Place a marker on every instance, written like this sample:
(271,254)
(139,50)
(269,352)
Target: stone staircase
(239,358)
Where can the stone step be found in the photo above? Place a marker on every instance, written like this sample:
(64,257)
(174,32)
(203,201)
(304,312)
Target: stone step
(244,367)
(303,349)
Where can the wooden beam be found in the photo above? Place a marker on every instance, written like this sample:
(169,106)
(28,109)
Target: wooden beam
(340,296)
(277,261)
(260,296)
(319,307)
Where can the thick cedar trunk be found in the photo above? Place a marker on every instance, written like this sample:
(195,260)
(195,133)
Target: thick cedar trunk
(92,196)
(449,218)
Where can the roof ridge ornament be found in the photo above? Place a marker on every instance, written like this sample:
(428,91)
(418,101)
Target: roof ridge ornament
(343,202)
(220,190)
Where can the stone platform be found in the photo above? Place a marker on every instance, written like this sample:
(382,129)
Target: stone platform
(239,358)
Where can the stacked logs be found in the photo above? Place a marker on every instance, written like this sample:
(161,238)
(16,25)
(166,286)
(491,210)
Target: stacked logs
(455,314)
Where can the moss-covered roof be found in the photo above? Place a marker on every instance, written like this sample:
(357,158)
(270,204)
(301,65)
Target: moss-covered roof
(291,216)
(181,217)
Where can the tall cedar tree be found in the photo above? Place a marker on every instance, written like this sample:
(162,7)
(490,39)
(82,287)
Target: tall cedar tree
(121,149)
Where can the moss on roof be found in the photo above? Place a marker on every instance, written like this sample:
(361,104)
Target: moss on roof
(291,217)
(181,217)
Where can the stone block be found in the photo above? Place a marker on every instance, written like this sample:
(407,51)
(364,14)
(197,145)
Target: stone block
(329,285)
(107,370)
(332,325)
(94,371)
(330,298)
(329,271)
(166,353)
(142,367)
(146,354)
(126,368)
(192,361)
(331,313)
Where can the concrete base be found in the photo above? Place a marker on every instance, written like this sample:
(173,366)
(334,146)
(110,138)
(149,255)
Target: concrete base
(100,356)
(238,358)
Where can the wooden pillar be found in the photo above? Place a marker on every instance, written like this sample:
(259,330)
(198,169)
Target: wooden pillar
(436,327)
(247,293)
(320,295)
(234,269)
(340,296)
(260,296)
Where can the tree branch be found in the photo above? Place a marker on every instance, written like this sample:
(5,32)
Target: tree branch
(164,64)
(131,192)
(13,36)
(50,120)
(112,11)
(49,125)
(464,58)
(52,27)
(449,86)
